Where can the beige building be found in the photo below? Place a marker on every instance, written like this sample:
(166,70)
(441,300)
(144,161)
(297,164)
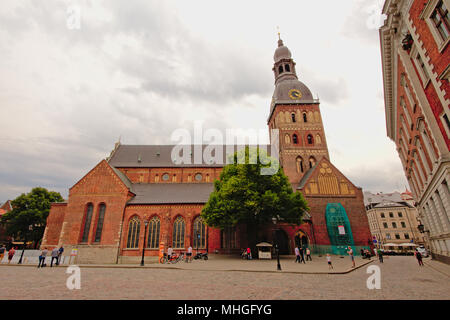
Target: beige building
(393,219)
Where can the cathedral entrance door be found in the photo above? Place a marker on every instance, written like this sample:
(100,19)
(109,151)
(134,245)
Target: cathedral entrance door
(282,241)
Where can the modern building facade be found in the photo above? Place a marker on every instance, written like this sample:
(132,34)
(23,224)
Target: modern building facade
(393,219)
(140,196)
(415,58)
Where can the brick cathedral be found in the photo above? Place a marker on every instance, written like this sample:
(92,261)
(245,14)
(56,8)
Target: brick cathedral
(138,190)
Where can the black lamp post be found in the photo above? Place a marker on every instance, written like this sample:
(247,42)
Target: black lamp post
(145,236)
(197,237)
(277,250)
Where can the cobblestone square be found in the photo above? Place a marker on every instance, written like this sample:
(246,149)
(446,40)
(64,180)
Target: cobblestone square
(401,278)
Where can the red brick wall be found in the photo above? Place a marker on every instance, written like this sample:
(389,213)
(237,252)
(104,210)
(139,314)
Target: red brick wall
(55,221)
(147,175)
(167,215)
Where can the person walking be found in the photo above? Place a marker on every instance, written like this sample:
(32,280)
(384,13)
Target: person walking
(350,253)
(297,254)
(2,252)
(418,257)
(249,254)
(60,252)
(55,253)
(380,255)
(302,256)
(169,253)
(11,253)
(42,258)
(189,254)
(330,266)
(308,254)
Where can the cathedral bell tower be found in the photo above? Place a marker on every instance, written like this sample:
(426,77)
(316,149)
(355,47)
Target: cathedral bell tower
(296,114)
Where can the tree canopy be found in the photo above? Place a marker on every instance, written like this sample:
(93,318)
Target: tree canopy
(244,195)
(28,218)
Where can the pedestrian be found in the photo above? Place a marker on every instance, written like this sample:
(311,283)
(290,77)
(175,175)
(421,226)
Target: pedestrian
(42,258)
(380,255)
(350,253)
(297,254)
(418,257)
(302,256)
(55,253)
(11,253)
(368,255)
(60,252)
(189,254)
(330,266)
(169,253)
(249,254)
(308,254)
(363,255)
(2,252)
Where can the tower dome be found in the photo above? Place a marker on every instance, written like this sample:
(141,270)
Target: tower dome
(282,52)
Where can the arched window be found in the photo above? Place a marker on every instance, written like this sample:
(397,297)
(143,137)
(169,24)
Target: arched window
(299,164)
(310,139)
(295,139)
(305,119)
(100,219)
(287,139)
(179,227)
(280,69)
(153,233)
(287,68)
(87,222)
(134,228)
(293,117)
(199,233)
(312,162)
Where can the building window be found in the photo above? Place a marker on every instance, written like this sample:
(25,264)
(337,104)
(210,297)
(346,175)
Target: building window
(134,228)
(441,21)
(388,236)
(165,177)
(295,139)
(403,224)
(394,225)
(101,218)
(400,215)
(299,163)
(420,65)
(310,139)
(293,117)
(391,215)
(312,162)
(305,119)
(280,69)
(385,225)
(199,233)
(287,68)
(198,177)
(406,236)
(179,227)
(382,215)
(397,236)
(446,122)
(87,222)
(153,233)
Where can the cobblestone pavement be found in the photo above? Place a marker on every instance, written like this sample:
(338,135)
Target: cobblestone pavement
(401,278)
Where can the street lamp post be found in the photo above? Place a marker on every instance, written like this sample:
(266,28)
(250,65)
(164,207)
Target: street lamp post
(145,235)
(197,237)
(275,239)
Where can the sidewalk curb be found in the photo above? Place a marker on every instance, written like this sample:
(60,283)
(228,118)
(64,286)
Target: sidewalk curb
(118,266)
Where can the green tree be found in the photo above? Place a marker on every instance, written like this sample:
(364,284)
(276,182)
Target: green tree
(27,220)
(244,195)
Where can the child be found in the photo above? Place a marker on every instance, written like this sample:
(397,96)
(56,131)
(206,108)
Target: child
(330,266)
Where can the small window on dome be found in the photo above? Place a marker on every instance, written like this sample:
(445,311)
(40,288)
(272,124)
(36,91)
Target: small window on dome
(287,68)
(280,69)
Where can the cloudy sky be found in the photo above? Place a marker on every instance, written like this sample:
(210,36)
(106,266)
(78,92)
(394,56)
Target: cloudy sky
(140,69)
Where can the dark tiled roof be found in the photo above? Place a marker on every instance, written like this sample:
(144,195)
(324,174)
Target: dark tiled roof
(170,193)
(306,176)
(155,156)
(124,178)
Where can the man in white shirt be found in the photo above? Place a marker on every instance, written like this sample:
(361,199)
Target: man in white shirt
(169,253)
(55,253)
(297,254)
(189,254)
(42,258)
